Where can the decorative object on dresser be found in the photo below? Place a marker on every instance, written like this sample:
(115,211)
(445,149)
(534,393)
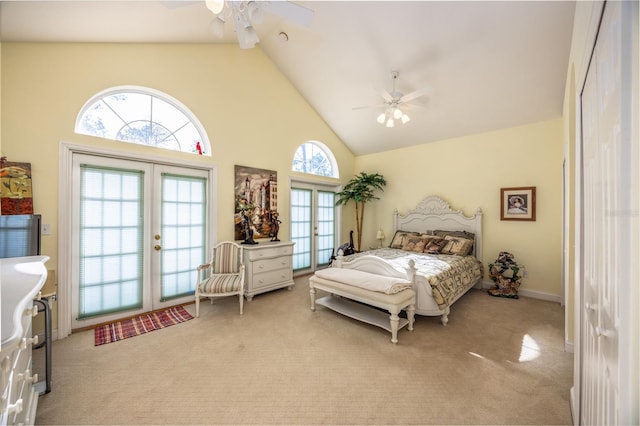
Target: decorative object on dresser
(269,266)
(435,247)
(21,280)
(256,198)
(505,273)
(275,226)
(518,203)
(361,190)
(223,276)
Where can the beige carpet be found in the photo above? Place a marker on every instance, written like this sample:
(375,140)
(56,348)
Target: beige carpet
(499,361)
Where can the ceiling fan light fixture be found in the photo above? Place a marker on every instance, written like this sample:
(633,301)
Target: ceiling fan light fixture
(405,119)
(217,26)
(248,37)
(397,114)
(381,118)
(390,122)
(215,6)
(255,12)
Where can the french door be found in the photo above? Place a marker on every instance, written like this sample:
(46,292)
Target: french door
(139,232)
(313,225)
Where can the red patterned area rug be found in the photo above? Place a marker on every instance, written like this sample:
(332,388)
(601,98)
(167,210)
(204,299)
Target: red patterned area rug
(140,325)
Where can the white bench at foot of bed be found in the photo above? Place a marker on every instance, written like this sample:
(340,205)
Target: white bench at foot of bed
(342,297)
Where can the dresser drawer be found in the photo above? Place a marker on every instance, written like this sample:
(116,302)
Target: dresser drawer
(266,265)
(267,279)
(269,252)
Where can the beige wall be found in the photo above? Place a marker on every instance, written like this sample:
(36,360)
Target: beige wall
(469,172)
(252,114)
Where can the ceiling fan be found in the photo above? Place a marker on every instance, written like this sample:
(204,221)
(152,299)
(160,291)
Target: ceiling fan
(245,13)
(392,102)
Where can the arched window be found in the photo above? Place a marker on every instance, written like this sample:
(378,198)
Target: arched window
(315,158)
(143,116)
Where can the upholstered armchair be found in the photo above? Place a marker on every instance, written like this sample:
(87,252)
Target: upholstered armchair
(223,276)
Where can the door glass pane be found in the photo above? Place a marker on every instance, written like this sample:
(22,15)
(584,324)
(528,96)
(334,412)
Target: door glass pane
(111,233)
(301,227)
(326,227)
(182,236)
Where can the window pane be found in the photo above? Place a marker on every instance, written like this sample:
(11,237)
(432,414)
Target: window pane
(301,227)
(311,158)
(143,118)
(110,240)
(183,233)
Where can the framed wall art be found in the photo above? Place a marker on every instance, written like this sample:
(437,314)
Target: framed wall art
(518,203)
(16,196)
(256,203)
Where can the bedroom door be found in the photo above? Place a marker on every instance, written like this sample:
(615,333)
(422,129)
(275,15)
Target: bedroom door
(607,252)
(313,225)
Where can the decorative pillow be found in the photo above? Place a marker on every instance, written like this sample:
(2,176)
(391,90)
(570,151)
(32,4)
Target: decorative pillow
(462,234)
(398,239)
(435,245)
(458,246)
(414,243)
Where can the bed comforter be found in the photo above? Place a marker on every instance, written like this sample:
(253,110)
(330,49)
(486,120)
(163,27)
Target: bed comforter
(448,275)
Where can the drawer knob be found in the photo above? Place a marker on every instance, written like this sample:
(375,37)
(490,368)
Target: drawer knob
(15,408)
(28,341)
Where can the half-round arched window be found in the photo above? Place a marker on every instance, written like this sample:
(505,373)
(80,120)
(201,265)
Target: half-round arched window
(143,116)
(315,158)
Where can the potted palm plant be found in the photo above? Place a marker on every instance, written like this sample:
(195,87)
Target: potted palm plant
(361,189)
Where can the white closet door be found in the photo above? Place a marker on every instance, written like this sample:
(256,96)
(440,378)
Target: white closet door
(607,257)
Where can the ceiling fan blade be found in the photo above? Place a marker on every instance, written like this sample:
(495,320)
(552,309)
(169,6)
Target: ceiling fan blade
(289,10)
(386,95)
(369,106)
(413,95)
(175,4)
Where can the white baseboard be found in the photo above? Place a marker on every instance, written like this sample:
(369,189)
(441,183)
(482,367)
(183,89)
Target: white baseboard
(534,294)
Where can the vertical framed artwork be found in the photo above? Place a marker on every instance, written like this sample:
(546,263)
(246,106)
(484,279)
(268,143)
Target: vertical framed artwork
(16,196)
(518,203)
(256,202)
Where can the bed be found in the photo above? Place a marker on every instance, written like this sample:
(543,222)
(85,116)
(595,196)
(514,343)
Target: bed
(451,265)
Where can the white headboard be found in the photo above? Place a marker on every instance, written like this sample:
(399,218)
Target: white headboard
(435,213)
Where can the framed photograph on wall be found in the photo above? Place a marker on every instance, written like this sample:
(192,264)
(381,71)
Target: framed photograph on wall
(518,203)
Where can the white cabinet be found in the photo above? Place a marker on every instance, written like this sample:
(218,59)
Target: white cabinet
(21,280)
(268,266)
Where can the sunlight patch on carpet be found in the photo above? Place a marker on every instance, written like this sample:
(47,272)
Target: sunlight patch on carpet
(140,325)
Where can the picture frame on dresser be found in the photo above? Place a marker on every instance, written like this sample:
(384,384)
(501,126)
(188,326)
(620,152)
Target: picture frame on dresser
(518,203)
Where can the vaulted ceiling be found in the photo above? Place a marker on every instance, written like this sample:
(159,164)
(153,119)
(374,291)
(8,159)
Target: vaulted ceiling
(486,65)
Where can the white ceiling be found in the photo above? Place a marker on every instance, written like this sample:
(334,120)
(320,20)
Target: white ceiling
(489,65)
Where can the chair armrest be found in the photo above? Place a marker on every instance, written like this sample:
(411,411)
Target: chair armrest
(204,266)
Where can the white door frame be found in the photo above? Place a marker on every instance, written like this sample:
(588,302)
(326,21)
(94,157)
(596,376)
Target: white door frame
(65,226)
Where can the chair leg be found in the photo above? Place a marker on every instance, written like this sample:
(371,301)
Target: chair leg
(241,302)
(197,306)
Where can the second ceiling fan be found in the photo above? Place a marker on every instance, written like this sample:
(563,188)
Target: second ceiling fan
(393,100)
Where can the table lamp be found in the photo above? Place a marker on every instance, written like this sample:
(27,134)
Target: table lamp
(380,237)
